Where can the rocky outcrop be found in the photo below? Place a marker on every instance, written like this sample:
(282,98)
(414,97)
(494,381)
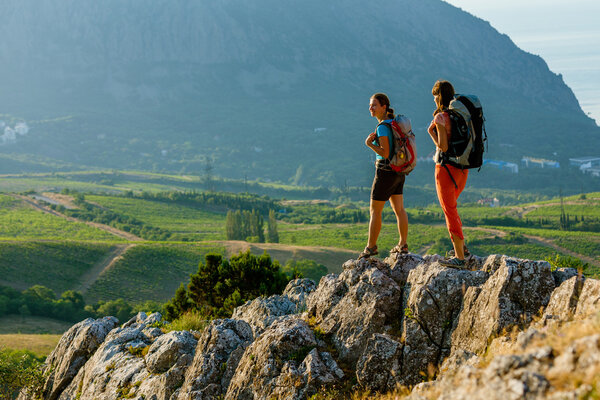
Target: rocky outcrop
(260,313)
(283,363)
(380,323)
(219,351)
(73,351)
(350,308)
(515,292)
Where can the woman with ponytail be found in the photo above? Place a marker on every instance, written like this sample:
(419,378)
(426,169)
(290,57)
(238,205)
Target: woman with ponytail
(449,180)
(387,185)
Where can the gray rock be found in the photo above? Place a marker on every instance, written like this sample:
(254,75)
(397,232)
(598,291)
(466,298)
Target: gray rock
(562,274)
(75,347)
(458,359)
(582,357)
(350,308)
(379,367)
(589,299)
(401,265)
(139,318)
(328,294)
(261,312)
(434,297)
(564,299)
(217,355)
(117,366)
(283,363)
(298,290)
(514,377)
(517,290)
(167,349)
(163,386)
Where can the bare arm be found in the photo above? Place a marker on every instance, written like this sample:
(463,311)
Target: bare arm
(439,135)
(383,149)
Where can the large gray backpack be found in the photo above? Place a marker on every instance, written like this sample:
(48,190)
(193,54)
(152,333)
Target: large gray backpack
(466,143)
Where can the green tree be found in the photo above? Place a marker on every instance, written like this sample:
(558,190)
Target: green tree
(179,304)
(220,285)
(272,234)
(118,308)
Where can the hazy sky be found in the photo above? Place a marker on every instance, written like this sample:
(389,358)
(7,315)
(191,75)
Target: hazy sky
(565,33)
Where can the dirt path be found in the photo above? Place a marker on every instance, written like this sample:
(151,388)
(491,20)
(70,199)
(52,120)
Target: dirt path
(546,243)
(117,232)
(495,232)
(549,243)
(101,267)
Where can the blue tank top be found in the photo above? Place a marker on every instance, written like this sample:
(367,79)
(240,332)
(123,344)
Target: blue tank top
(385,130)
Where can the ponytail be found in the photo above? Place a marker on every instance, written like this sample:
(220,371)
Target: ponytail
(390,113)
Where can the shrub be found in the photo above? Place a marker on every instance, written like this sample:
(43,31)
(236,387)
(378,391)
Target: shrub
(559,261)
(20,369)
(192,320)
(220,285)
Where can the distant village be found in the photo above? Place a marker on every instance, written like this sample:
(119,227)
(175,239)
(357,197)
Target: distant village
(587,165)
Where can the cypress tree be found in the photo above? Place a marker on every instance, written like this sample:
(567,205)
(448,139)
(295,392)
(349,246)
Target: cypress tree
(272,234)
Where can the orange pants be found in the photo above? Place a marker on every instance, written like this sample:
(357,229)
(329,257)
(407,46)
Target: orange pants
(448,194)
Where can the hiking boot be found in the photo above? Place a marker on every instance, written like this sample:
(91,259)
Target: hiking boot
(450,253)
(400,249)
(368,252)
(453,262)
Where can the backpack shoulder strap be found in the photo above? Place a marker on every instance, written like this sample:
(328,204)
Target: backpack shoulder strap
(391,141)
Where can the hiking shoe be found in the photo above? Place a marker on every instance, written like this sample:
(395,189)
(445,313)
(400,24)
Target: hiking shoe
(453,262)
(450,253)
(368,252)
(400,249)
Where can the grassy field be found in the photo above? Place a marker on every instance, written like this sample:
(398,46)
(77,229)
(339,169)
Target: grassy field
(188,222)
(57,265)
(63,251)
(32,325)
(40,345)
(19,221)
(151,271)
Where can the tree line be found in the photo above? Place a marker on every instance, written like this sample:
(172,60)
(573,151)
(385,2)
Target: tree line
(41,301)
(249,226)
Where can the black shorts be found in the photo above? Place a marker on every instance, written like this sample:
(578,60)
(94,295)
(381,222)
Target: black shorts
(386,184)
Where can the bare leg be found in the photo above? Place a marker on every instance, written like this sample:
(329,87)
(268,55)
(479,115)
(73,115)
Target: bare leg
(375,223)
(459,247)
(397,203)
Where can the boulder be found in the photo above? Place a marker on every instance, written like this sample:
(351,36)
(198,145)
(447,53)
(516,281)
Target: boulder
(379,367)
(401,265)
(507,377)
(589,299)
(73,350)
(297,291)
(564,299)
(167,349)
(117,367)
(562,274)
(261,312)
(283,363)
(434,297)
(218,352)
(515,292)
(350,308)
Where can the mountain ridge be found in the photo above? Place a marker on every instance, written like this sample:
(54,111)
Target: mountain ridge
(172,86)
